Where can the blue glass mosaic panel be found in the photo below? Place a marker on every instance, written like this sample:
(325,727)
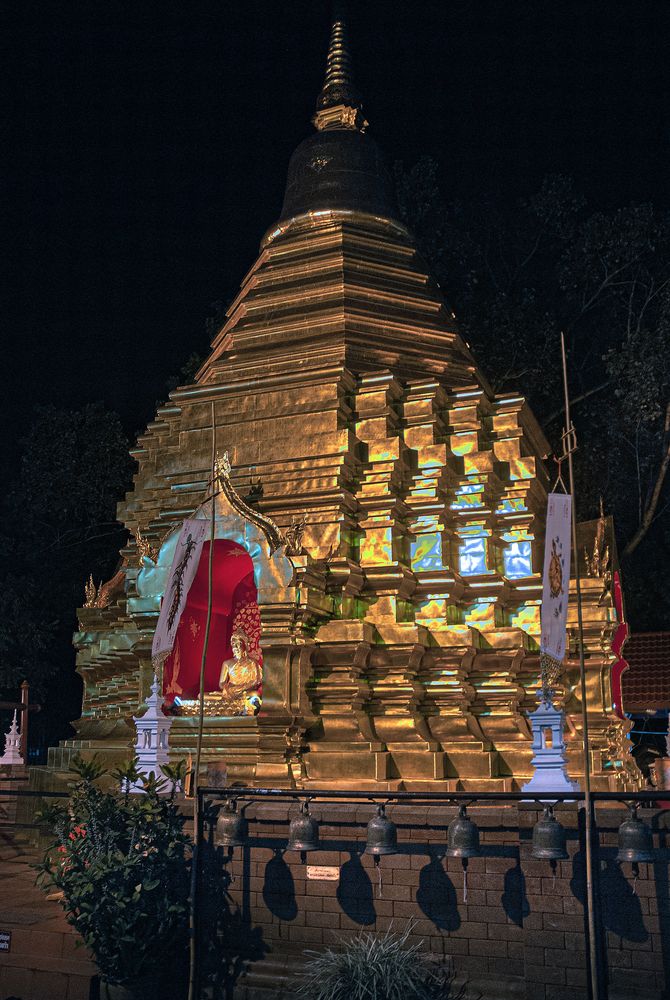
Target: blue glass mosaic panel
(518,560)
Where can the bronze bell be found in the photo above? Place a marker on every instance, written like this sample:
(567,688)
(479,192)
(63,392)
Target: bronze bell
(462,837)
(303,832)
(548,838)
(231,826)
(635,842)
(382,835)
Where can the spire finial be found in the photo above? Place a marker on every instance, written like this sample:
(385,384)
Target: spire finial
(339,103)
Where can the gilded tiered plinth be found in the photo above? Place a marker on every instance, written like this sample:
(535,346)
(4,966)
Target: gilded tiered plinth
(403,652)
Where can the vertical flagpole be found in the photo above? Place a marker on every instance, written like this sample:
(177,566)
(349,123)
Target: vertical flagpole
(569,446)
(201,719)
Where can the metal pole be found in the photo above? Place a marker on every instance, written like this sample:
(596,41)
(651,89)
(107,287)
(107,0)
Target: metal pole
(25,690)
(570,445)
(193,967)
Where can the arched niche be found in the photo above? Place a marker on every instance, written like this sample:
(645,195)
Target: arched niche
(236,528)
(234,607)
(273,570)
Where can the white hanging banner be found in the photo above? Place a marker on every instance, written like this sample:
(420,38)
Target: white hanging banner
(192,536)
(556,576)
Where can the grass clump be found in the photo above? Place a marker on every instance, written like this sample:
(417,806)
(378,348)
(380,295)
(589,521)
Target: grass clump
(377,967)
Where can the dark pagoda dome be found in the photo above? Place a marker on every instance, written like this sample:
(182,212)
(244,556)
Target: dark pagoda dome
(340,168)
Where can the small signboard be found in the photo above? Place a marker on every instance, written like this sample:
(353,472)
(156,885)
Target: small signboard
(323,873)
(5,940)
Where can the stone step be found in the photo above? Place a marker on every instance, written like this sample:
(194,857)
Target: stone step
(271,976)
(276,976)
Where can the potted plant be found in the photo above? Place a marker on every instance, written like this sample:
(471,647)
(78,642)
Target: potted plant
(121,862)
(383,967)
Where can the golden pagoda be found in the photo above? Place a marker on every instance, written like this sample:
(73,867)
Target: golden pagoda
(391,505)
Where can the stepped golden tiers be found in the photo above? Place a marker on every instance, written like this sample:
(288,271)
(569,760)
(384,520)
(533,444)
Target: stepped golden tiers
(392,507)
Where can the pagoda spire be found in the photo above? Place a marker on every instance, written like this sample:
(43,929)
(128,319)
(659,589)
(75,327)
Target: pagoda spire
(339,104)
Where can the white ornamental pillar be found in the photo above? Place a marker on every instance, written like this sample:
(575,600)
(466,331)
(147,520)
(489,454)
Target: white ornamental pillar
(152,744)
(12,755)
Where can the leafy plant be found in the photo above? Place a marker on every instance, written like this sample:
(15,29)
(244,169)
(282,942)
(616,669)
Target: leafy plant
(377,967)
(122,862)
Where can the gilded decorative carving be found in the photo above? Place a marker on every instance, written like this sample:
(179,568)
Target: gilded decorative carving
(90,593)
(111,588)
(266,524)
(145,550)
(294,534)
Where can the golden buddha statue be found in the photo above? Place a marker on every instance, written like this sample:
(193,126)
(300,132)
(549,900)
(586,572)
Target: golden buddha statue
(239,683)
(240,678)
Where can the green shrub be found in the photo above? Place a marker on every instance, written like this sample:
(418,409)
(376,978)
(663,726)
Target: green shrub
(122,863)
(376,967)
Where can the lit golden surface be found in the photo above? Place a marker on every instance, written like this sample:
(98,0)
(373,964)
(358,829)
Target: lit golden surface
(389,659)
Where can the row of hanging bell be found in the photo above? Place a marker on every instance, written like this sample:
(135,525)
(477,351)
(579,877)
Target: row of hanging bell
(382,835)
(548,844)
(635,839)
(232,829)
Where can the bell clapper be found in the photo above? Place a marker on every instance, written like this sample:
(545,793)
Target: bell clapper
(379,875)
(463,842)
(553,863)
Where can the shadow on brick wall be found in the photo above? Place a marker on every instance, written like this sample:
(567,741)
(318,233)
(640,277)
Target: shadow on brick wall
(621,912)
(436,895)
(228,942)
(354,892)
(514,900)
(279,888)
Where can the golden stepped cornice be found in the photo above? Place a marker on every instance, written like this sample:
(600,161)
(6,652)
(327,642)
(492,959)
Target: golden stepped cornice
(351,284)
(293,299)
(249,385)
(321,221)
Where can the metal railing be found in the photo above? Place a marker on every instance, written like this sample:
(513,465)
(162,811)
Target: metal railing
(324,795)
(210,801)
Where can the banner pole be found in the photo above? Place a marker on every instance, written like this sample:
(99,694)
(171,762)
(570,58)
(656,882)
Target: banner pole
(569,446)
(193,965)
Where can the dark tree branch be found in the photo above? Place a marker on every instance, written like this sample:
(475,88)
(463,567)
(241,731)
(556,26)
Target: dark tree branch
(650,509)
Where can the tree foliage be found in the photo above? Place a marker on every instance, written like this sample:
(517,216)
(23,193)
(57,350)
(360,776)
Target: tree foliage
(58,526)
(516,276)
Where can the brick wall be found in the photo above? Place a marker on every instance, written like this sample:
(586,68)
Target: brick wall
(520,932)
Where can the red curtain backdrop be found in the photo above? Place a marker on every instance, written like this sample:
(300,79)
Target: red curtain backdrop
(234,605)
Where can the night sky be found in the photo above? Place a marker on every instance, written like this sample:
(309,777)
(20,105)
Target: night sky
(148,145)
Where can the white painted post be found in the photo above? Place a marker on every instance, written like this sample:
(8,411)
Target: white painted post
(549,763)
(12,755)
(152,743)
